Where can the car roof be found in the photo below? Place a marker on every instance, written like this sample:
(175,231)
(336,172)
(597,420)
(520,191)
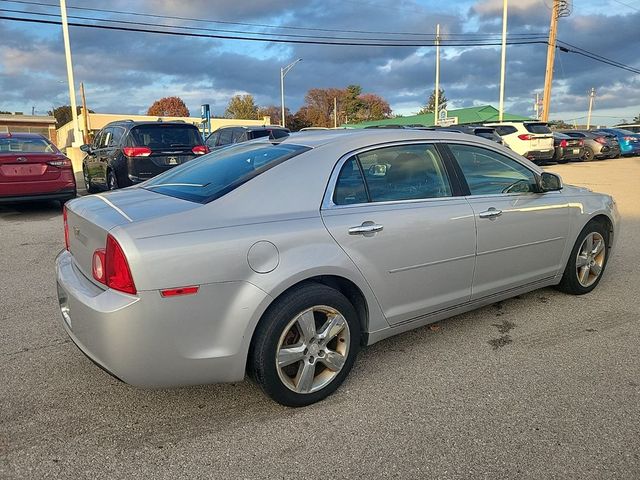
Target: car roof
(255,128)
(358,138)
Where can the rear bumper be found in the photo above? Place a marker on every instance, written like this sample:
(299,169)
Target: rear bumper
(562,153)
(62,195)
(534,155)
(150,341)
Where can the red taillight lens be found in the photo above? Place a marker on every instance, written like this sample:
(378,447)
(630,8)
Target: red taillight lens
(65,162)
(200,149)
(110,267)
(137,151)
(628,139)
(66,227)
(601,140)
(98,265)
(563,143)
(525,136)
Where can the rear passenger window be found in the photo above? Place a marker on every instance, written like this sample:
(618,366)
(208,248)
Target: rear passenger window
(505,129)
(407,172)
(537,128)
(239,135)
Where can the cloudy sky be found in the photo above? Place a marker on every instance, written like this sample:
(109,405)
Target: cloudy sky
(124,72)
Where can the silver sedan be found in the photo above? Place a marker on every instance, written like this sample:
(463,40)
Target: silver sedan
(281,259)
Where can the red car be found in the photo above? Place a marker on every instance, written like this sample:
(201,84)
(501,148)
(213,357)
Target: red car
(32,168)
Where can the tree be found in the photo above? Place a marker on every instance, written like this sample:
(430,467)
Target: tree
(560,125)
(431,103)
(168,107)
(4,112)
(242,106)
(63,114)
(373,107)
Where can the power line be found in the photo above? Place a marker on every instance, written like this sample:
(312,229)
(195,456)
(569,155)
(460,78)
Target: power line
(243,32)
(260,25)
(627,5)
(268,40)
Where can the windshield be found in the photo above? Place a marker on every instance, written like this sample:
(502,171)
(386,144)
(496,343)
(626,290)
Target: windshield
(537,127)
(209,177)
(9,145)
(166,135)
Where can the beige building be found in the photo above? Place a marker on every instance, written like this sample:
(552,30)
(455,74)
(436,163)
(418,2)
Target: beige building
(96,121)
(18,123)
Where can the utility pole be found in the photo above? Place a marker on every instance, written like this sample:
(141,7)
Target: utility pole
(503,64)
(283,73)
(85,115)
(72,88)
(335,112)
(592,95)
(437,91)
(561,8)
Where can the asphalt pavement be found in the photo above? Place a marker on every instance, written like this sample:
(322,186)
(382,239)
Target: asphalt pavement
(541,386)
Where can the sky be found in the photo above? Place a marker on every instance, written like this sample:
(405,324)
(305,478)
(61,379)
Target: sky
(124,72)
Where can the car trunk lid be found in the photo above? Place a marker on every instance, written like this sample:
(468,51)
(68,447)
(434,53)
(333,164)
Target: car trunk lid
(91,218)
(27,167)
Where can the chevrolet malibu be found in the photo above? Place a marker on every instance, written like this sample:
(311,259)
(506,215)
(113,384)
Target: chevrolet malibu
(282,258)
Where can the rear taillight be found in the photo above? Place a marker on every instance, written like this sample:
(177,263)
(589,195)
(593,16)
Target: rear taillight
(66,227)
(200,149)
(65,162)
(136,151)
(110,267)
(628,139)
(601,140)
(525,136)
(563,143)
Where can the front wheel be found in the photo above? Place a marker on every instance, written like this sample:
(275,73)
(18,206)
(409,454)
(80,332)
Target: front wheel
(587,261)
(305,345)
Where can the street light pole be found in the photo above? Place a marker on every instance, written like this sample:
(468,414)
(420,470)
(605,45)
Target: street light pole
(283,73)
(77,138)
(504,59)
(436,105)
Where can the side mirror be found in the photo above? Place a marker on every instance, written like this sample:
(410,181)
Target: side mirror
(550,182)
(85,148)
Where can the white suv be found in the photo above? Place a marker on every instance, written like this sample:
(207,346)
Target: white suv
(533,140)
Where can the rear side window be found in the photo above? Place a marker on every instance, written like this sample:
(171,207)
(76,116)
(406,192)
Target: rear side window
(269,133)
(225,137)
(537,128)
(209,177)
(506,129)
(407,172)
(165,136)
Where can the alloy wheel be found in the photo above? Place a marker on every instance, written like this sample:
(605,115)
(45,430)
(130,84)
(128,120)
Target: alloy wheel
(312,349)
(590,260)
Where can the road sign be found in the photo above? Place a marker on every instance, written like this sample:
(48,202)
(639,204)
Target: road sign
(205,112)
(447,122)
(442,114)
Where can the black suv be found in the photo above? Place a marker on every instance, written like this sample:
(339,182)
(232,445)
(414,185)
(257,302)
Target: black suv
(125,152)
(227,135)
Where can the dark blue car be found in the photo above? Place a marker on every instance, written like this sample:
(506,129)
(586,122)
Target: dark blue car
(628,140)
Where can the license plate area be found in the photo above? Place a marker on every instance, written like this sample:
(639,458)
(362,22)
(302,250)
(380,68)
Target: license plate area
(29,170)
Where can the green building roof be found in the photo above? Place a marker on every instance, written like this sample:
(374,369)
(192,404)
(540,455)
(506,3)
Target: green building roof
(485,113)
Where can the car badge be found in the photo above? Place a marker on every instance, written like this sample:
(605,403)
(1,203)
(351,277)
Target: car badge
(172,161)
(21,159)
(76,231)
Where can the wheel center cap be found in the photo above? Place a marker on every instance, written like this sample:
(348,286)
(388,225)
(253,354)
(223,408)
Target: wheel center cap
(314,349)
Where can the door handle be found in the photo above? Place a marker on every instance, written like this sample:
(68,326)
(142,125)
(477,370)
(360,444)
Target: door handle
(365,229)
(491,213)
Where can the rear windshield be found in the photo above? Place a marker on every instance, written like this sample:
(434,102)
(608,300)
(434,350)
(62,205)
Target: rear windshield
(269,133)
(209,177)
(26,145)
(537,128)
(166,136)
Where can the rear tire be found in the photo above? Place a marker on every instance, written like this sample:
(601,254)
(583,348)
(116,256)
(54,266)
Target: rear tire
(87,180)
(112,181)
(588,155)
(305,345)
(587,260)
